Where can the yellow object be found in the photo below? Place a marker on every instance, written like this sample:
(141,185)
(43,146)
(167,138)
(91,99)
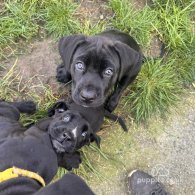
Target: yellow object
(17,172)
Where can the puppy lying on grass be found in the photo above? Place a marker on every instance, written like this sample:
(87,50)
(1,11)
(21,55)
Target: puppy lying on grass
(68,136)
(28,160)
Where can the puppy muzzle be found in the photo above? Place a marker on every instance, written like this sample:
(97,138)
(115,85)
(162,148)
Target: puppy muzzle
(64,142)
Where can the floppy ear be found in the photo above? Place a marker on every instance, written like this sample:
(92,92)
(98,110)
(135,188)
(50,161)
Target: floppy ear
(96,138)
(130,60)
(58,105)
(67,47)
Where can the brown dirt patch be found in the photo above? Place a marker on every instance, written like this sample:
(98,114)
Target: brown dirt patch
(139,4)
(155,47)
(38,65)
(93,11)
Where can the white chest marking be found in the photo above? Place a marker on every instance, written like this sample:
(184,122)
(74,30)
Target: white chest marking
(74,132)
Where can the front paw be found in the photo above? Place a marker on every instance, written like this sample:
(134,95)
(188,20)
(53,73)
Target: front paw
(62,75)
(111,104)
(75,160)
(28,107)
(71,161)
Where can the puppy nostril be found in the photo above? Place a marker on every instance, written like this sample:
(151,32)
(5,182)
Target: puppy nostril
(64,134)
(66,137)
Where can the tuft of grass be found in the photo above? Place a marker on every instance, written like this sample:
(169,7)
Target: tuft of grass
(184,64)
(59,17)
(18,20)
(9,83)
(22,20)
(12,87)
(139,23)
(155,91)
(176,24)
(91,29)
(45,101)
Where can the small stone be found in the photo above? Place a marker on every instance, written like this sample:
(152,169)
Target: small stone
(101,17)
(171,182)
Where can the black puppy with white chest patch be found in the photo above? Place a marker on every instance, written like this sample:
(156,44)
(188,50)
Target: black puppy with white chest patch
(69,129)
(100,67)
(28,160)
(68,134)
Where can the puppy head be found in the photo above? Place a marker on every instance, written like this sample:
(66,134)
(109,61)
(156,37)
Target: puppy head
(96,65)
(68,130)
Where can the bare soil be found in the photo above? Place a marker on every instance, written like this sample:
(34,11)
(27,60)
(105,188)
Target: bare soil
(93,11)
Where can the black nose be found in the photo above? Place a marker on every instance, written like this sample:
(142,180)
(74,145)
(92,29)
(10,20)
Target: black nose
(88,96)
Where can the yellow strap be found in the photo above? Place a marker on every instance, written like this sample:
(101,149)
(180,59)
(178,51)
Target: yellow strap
(16,172)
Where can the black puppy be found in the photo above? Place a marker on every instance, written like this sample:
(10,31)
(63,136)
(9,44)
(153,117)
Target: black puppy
(28,160)
(100,67)
(68,135)
(70,130)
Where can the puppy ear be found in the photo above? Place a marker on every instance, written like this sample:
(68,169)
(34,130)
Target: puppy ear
(59,105)
(96,138)
(130,60)
(67,47)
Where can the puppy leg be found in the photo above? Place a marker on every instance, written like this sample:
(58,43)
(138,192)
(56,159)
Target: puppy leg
(12,110)
(115,97)
(63,75)
(113,102)
(69,184)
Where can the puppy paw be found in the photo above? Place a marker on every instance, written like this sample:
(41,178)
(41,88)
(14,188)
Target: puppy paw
(62,75)
(28,107)
(71,161)
(111,105)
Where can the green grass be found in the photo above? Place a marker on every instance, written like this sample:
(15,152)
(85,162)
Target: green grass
(59,17)
(22,20)
(17,20)
(88,28)
(176,25)
(160,83)
(184,65)
(139,23)
(9,83)
(156,90)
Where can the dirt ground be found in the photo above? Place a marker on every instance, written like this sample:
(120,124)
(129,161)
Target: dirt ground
(165,147)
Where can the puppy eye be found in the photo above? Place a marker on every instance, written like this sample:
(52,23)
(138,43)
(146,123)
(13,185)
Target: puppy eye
(80,66)
(84,130)
(66,118)
(108,72)
(84,133)
(60,110)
